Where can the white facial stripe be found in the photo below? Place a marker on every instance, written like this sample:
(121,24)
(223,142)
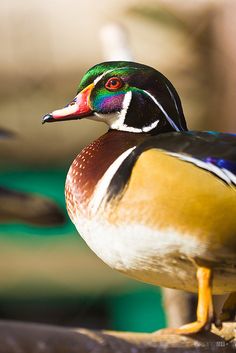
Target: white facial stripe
(125,106)
(223,174)
(172,97)
(101,76)
(107,72)
(116,120)
(163,111)
(121,117)
(119,122)
(103,184)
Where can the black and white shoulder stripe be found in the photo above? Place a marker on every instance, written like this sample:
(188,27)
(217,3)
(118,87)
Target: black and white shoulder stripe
(205,150)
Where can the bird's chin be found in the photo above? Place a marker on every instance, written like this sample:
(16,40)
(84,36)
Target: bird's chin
(109,118)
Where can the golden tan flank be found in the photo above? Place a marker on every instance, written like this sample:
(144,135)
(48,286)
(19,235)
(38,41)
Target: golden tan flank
(165,191)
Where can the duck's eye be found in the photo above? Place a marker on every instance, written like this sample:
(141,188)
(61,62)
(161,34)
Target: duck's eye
(114,83)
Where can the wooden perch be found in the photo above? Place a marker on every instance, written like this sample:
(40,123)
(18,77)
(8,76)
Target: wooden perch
(35,338)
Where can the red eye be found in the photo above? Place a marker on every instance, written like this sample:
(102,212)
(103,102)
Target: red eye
(114,83)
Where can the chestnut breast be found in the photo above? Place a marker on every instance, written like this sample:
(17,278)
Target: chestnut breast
(90,165)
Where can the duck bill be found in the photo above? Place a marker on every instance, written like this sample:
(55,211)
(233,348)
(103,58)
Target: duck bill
(77,109)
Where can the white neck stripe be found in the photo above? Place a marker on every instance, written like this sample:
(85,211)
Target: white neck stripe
(163,111)
(151,126)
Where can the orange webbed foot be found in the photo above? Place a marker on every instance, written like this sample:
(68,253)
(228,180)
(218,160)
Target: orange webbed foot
(205,312)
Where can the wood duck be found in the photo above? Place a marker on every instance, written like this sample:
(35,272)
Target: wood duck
(152,199)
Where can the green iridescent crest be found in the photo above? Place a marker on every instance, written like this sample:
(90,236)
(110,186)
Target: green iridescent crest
(145,101)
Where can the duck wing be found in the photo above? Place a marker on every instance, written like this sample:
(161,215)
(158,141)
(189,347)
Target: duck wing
(212,151)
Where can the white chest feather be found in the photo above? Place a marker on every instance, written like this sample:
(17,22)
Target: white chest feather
(158,257)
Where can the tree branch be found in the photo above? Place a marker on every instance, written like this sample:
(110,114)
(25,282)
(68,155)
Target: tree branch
(36,338)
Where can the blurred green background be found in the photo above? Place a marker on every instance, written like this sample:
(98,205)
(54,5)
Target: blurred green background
(47,273)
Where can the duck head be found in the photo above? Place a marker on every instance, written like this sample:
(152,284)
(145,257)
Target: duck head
(127,96)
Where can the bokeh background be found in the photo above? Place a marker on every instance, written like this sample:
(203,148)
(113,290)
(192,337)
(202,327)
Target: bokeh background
(47,273)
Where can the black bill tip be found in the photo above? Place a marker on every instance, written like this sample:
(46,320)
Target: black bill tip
(47,118)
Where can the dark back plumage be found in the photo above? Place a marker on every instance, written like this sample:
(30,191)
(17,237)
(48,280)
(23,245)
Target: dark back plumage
(212,151)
